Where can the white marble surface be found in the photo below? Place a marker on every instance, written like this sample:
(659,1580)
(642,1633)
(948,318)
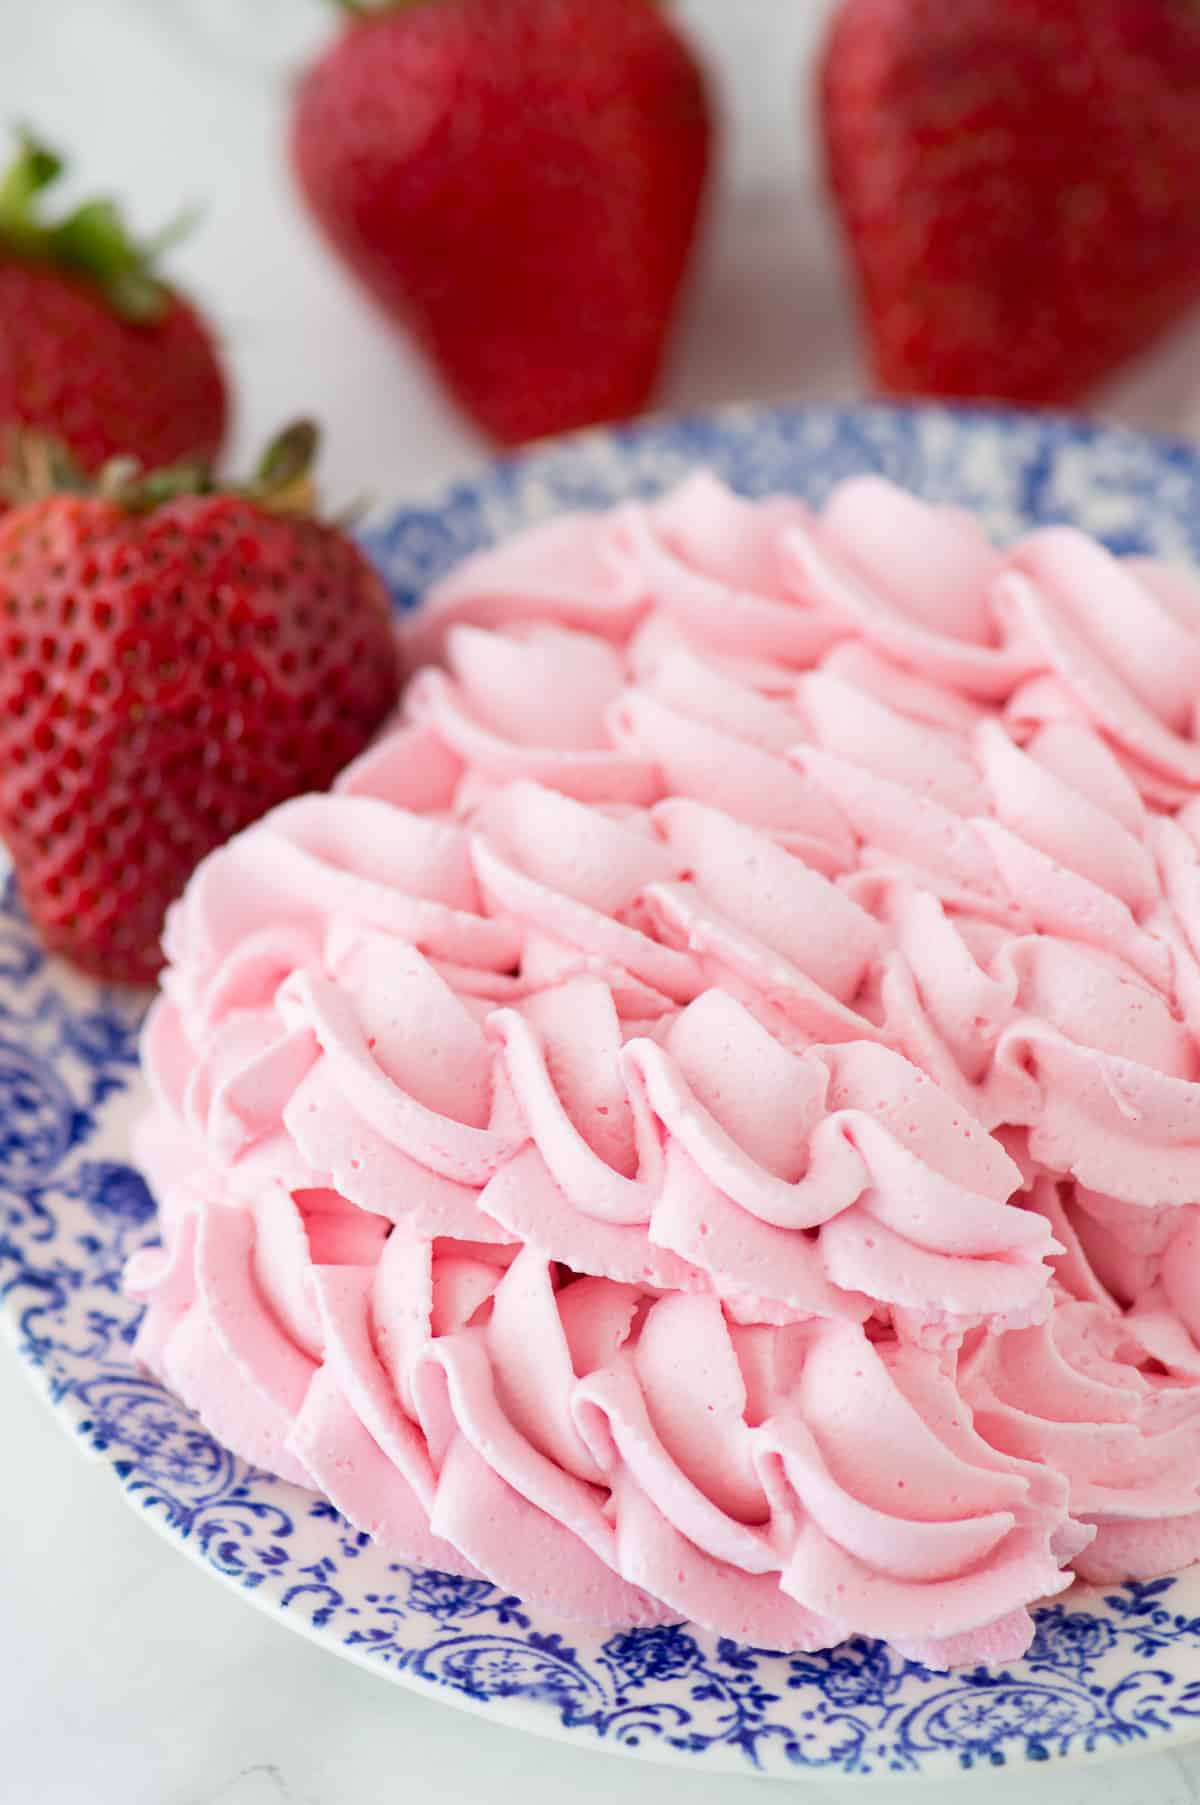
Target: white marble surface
(128,1677)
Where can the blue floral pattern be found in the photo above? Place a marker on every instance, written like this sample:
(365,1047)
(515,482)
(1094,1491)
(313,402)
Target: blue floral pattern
(1104,1672)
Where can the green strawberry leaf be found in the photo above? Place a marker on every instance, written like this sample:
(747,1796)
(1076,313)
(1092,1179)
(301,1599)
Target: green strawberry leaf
(92,241)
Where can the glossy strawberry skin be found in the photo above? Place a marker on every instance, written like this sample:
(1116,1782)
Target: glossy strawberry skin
(518,181)
(104,385)
(164,679)
(1017,180)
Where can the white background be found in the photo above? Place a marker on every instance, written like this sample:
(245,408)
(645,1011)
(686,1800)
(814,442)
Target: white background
(128,1677)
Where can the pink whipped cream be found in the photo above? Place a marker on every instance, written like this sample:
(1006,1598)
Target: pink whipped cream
(704,1121)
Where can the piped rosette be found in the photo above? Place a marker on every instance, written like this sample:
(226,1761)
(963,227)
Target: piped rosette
(1084,1395)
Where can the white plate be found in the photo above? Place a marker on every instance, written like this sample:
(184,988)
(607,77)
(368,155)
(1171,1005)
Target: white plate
(1105,1672)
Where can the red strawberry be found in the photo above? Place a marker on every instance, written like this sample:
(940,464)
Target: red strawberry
(172,663)
(93,347)
(518,181)
(1018,182)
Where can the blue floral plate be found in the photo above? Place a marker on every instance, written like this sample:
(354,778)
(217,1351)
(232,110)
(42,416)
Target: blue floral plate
(1106,1672)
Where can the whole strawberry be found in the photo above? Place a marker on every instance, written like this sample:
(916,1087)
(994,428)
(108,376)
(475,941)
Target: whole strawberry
(94,348)
(1018,181)
(172,663)
(518,181)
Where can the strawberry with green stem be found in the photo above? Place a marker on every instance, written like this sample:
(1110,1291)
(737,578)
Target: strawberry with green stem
(175,658)
(95,347)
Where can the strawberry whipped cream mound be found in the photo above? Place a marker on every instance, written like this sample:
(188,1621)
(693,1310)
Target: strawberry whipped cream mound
(704,1121)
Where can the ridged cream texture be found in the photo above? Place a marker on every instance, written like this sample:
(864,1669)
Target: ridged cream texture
(704,1120)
